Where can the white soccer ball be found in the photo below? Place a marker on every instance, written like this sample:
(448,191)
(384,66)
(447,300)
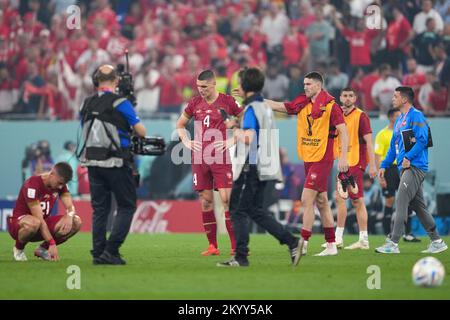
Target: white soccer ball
(428,272)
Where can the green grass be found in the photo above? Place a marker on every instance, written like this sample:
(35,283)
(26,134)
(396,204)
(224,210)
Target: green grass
(169,266)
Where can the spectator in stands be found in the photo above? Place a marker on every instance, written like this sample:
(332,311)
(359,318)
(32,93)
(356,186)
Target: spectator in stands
(276,85)
(420,20)
(443,69)
(8,90)
(246,19)
(356,84)
(443,8)
(275,25)
(295,82)
(438,100)
(335,79)
(424,46)
(414,79)
(295,48)
(170,96)
(367,82)
(257,41)
(306,16)
(446,38)
(383,89)
(32,97)
(398,35)
(425,91)
(319,34)
(360,41)
(93,57)
(44,159)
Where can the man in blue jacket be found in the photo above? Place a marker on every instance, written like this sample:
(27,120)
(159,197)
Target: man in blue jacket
(409,146)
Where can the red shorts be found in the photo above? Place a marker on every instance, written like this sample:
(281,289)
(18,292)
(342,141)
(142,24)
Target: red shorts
(213,176)
(358,174)
(13,227)
(317,174)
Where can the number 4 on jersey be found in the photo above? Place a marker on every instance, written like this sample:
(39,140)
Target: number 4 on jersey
(194,179)
(206,121)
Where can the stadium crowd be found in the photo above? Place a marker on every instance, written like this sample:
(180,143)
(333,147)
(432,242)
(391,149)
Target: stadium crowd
(46,67)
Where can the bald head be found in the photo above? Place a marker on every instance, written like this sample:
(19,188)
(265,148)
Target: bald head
(106,74)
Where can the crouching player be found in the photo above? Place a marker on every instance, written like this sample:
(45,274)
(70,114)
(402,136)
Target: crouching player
(31,220)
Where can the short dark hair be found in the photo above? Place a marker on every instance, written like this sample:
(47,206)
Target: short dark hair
(406,92)
(347,89)
(383,67)
(206,75)
(64,170)
(252,79)
(392,111)
(315,76)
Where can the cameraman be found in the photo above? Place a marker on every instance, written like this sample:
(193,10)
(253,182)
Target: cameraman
(108,120)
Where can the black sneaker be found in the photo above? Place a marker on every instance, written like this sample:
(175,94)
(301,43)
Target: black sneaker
(296,252)
(411,238)
(352,185)
(108,258)
(232,263)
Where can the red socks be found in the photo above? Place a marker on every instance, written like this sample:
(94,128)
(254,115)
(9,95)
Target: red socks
(329,234)
(58,241)
(229,225)
(20,245)
(210,225)
(306,234)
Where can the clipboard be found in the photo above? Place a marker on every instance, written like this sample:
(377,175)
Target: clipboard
(409,140)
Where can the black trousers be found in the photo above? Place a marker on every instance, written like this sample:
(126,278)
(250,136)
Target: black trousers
(246,202)
(103,183)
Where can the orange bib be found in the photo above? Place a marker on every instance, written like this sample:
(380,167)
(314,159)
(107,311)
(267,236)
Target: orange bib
(312,133)
(352,121)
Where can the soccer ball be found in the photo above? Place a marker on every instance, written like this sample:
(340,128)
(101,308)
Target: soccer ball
(428,272)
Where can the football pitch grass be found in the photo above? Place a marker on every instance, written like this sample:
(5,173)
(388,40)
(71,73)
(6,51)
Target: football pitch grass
(169,266)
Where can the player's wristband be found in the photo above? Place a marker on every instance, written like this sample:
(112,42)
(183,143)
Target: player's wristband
(71,213)
(51,242)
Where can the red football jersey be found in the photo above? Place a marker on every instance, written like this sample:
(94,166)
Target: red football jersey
(34,190)
(209,121)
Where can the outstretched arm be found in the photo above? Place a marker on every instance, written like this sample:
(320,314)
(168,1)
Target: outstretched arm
(276,106)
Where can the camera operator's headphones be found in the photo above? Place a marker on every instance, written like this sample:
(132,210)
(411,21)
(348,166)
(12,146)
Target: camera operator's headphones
(96,74)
